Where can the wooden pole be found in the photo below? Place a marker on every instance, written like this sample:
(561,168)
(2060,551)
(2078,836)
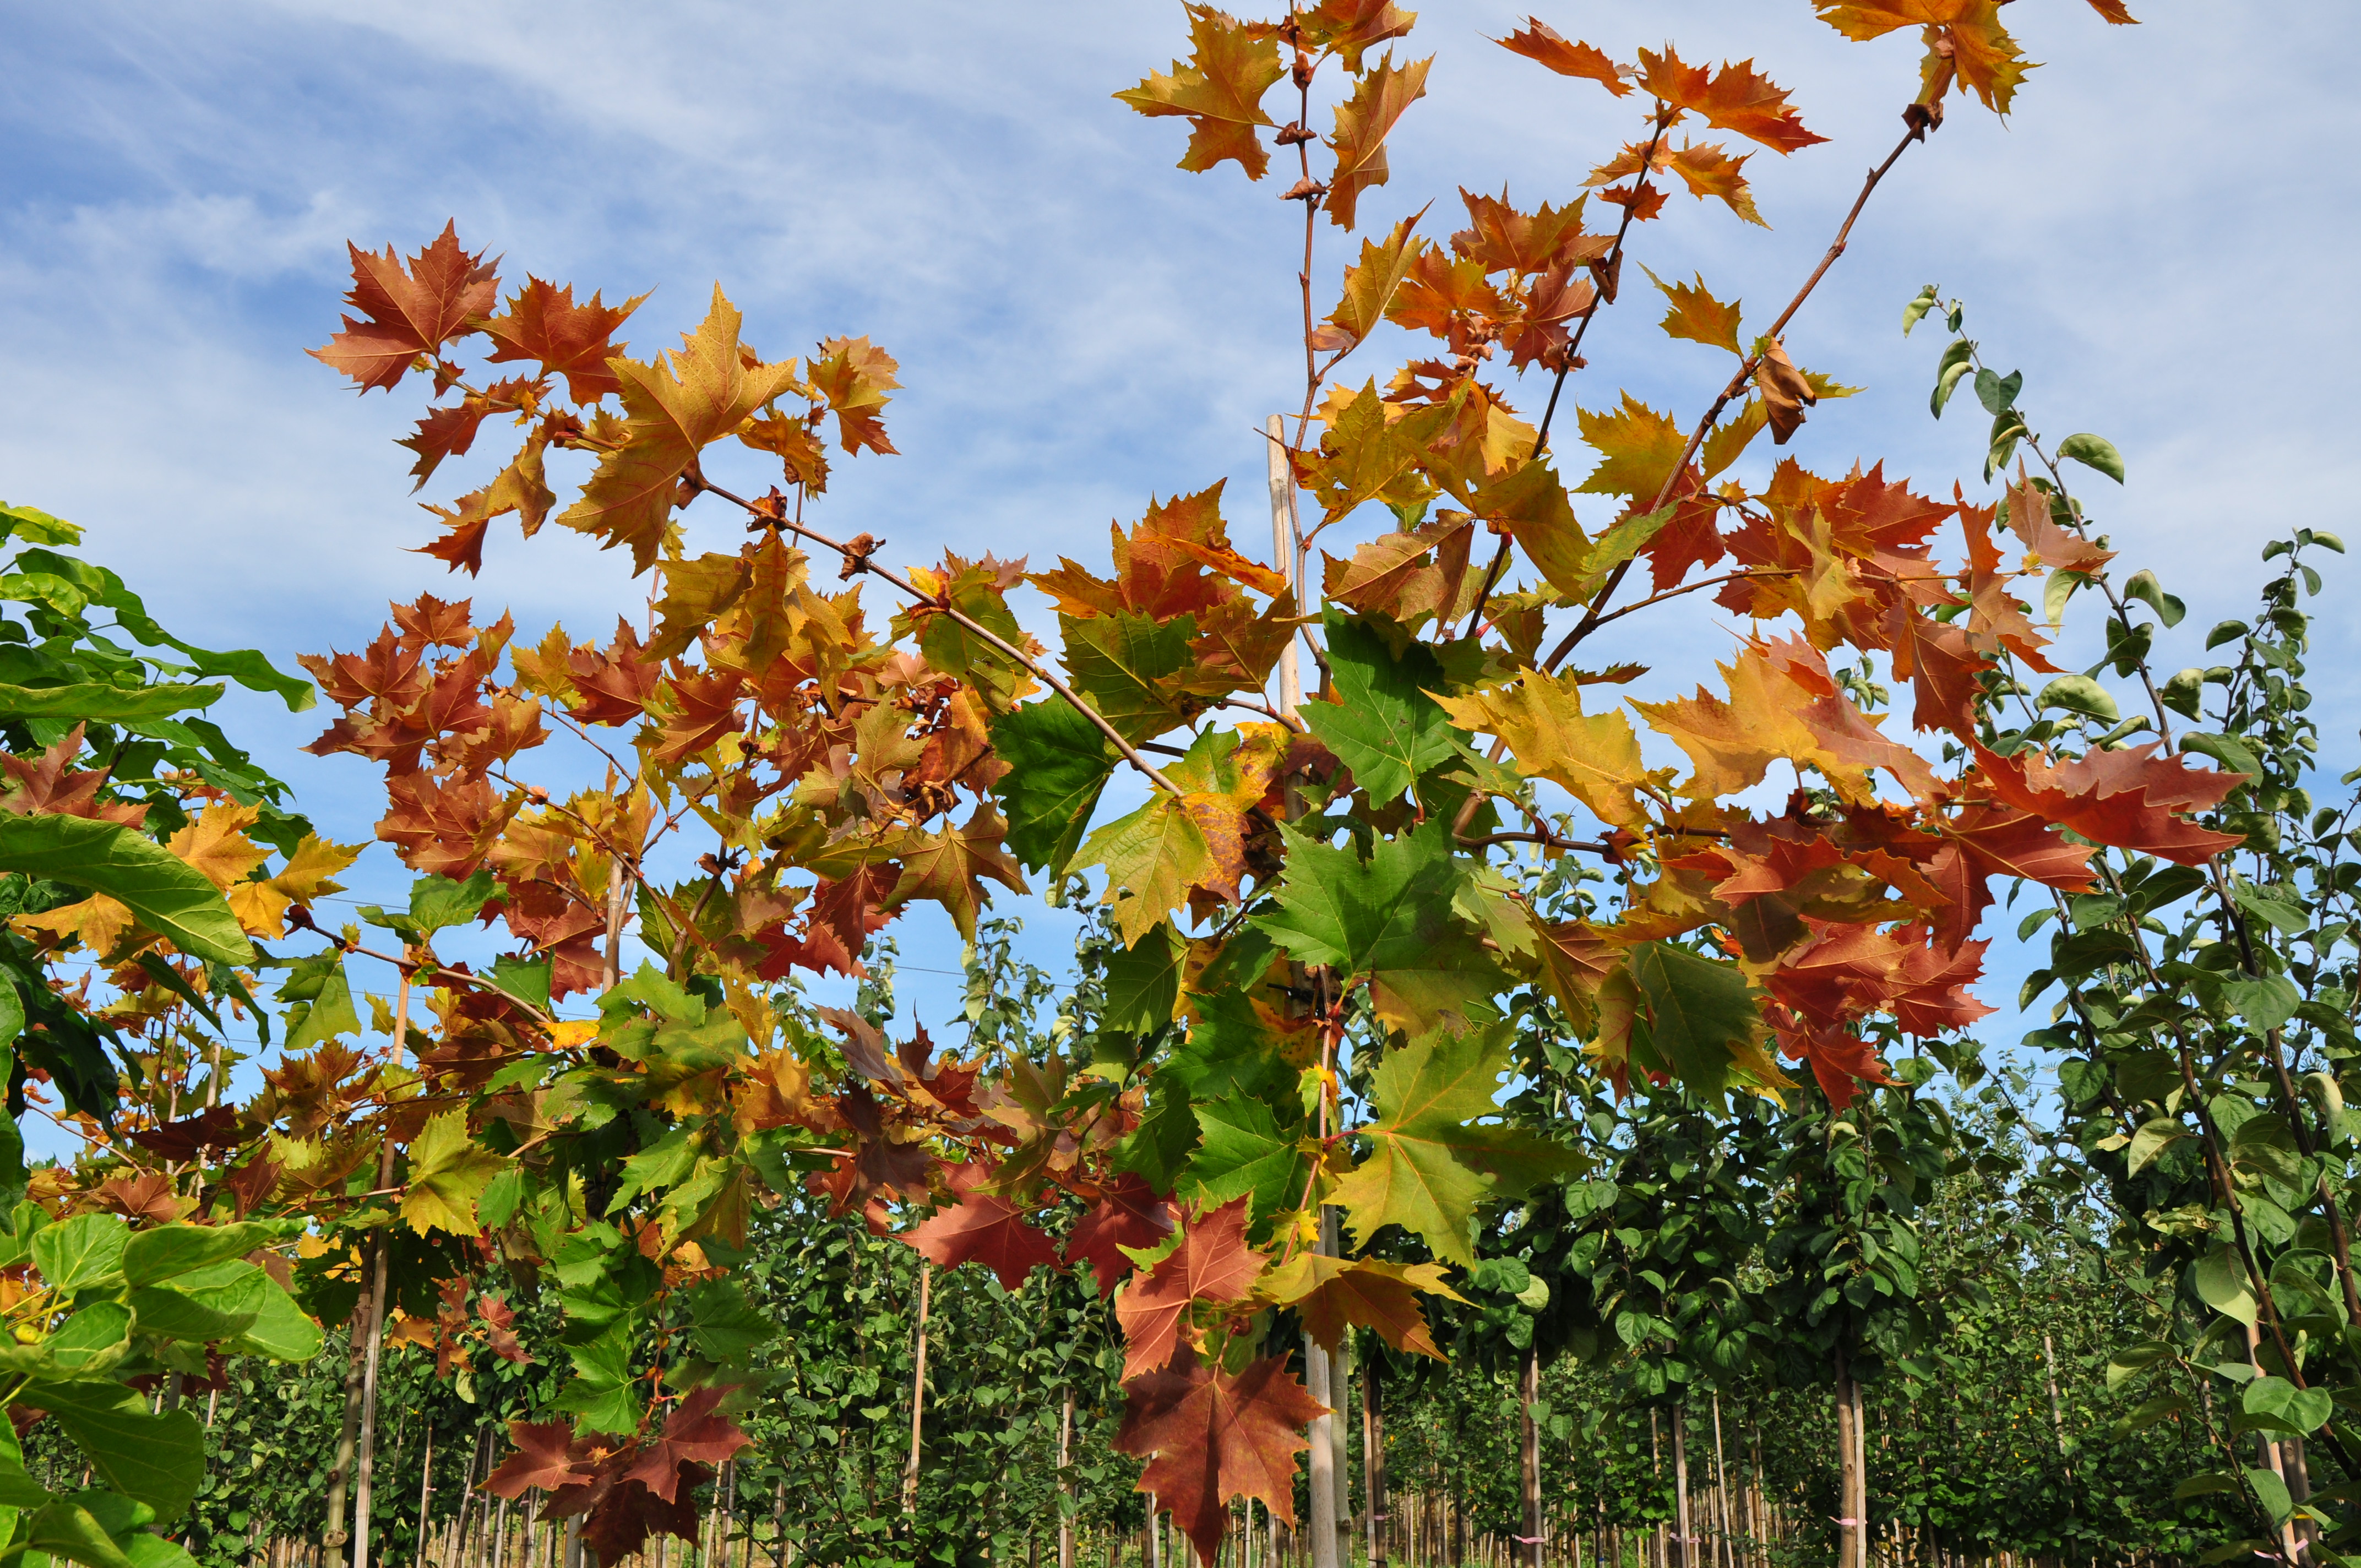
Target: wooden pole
(1681,1485)
(1529,1456)
(365,1469)
(1066,1481)
(917,1390)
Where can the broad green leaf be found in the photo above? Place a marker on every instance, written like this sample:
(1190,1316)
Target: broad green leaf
(1243,1149)
(2220,1281)
(1438,1150)
(91,703)
(1143,981)
(90,1341)
(2079,694)
(2133,1360)
(2264,1003)
(435,903)
(1389,918)
(81,1251)
(448,1172)
(2280,1403)
(199,1317)
(1701,1014)
(605,1391)
(65,1529)
(1383,726)
(724,1325)
(158,1460)
(527,980)
(322,998)
(1125,664)
(1059,763)
(2271,1491)
(2152,1139)
(2094,450)
(176,1250)
(169,896)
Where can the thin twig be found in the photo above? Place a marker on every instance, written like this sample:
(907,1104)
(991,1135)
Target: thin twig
(1591,619)
(1040,671)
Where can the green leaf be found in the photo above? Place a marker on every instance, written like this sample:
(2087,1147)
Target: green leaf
(158,1460)
(153,1255)
(2272,1493)
(1383,726)
(2221,1282)
(93,703)
(169,896)
(437,903)
(322,1000)
(1958,361)
(2096,453)
(2264,1003)
(34,524)
(1916,310)
(605,1392)
(2280,1402)
(1389,918)
(724,1325)
(2133,1360)
(246,666)
(2226,750)
(2283,917)
(200,1317)
(1243,1149)
(1436,1153)
(2184,692)
(2079,694)
(91,1340)
(2152,1139)
(64,1529)
(1143,981)
(282,1329)
(1700,1013)
(2143,587)
(1059,763)
(1123,663)
(448,1172)
(527,980)
(82,1250)
(1998,393)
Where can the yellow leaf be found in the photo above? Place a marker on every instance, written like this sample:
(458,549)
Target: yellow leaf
(1595,756)
(677,403)
(1697,315)
(1363,122)
(216,844)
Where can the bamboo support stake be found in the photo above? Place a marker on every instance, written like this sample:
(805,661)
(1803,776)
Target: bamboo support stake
(365,1465)
(1066,1481)
(917,1390)
(1286,551)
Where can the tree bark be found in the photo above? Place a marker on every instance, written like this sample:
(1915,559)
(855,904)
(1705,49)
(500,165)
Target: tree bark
(349,1435)
(1852,1527)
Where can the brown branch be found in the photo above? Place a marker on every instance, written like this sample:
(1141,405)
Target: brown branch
(862,561)
(1591,619)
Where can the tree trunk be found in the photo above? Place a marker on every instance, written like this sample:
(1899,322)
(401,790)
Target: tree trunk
(1340,1386)
(1529,1458)
(1681,1486)
(917,1390)
(1373,1462)
(347,1437)
(1853,1529)
(1066,1481)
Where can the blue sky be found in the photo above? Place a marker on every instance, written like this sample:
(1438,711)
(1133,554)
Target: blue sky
(2160,237)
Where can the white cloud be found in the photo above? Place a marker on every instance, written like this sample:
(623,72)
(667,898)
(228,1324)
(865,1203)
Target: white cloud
(2151,237)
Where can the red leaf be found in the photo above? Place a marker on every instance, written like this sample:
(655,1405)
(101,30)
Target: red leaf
(987,1230)
(1129,1214)
(693,1435)
(408,311)
(1214,1437)
(543,323)
(215,1127)
(547,1457)
(2130,798)
(625,1517)
(1213,1263)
